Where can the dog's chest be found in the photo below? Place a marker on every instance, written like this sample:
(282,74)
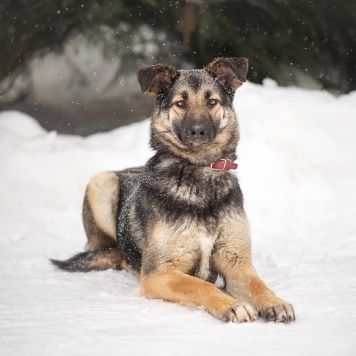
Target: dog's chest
(206,244)
(191,246)
(201,188)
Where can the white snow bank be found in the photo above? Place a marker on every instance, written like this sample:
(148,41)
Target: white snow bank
(297,169)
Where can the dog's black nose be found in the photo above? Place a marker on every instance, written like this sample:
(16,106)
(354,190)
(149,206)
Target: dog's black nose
(197,133)
(198,130)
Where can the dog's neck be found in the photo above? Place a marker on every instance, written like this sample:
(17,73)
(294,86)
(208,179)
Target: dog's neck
(225,163)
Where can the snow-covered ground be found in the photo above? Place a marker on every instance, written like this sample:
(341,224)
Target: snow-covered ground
(297,168)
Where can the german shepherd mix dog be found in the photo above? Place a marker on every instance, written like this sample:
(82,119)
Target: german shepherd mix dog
(179,221)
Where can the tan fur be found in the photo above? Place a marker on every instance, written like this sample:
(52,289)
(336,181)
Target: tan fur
(183,249)
(197,103)
(129,269)
(99,210)
(187,247)
(233,260)
(174,252)
(175,286)
(113,260)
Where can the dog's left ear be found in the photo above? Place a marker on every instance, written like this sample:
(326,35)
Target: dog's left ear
(157,78)
(231,72)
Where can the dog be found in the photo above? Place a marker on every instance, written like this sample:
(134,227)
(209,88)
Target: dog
(179,221)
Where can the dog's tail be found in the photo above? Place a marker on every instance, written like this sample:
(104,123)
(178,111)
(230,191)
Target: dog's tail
(97,260)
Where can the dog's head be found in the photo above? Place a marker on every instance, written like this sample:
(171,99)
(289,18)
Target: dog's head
(193,117)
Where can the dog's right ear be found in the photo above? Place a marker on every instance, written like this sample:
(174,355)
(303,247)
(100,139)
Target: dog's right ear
(157,78)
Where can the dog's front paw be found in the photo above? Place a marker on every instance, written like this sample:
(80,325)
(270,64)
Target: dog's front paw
(241,313)
(280,311)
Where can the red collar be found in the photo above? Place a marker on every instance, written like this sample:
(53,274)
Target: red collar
(223,164)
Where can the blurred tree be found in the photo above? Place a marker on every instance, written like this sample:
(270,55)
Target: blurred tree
(31,27)
(315,37)
(279,37)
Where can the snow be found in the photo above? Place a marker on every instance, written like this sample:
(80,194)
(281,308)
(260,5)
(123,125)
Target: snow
(297,170)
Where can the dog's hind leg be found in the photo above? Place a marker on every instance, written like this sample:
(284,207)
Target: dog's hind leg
(99,219)
(100,210)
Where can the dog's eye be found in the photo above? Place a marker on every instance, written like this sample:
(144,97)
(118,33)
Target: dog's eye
(180,103)
(212,102)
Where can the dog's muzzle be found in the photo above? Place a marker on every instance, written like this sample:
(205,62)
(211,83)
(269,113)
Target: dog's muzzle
(197,132)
